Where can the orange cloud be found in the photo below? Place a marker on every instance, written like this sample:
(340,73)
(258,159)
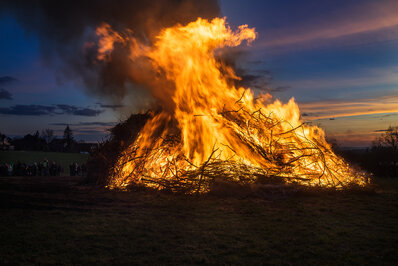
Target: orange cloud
(334,109)
(353,123)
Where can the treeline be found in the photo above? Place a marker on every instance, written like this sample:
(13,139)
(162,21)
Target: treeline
(46,141)
(381,158)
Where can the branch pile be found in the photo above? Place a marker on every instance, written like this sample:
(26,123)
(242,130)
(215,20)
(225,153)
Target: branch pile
(289,156)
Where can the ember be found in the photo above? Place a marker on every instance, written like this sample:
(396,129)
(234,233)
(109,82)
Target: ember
(210,129)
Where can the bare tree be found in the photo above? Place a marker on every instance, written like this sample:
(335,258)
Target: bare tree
(389,139)
(48,135)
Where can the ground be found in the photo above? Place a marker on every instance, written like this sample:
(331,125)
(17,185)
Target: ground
(56,220)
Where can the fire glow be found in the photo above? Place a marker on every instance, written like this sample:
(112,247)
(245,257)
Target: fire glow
(210,129)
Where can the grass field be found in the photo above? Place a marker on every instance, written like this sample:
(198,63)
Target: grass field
(58,221)
(37,156)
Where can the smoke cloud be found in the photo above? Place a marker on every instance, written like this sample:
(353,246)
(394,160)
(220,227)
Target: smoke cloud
(66,31)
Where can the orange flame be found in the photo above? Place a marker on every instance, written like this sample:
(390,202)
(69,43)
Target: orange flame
(216,129)
(107,39)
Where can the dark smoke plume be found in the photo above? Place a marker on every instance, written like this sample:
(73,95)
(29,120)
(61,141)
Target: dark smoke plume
(65,28)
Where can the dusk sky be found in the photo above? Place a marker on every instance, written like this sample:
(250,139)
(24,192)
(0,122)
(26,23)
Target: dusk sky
(338,59)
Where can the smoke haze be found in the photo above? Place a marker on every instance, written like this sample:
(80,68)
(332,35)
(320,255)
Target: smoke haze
(66,31)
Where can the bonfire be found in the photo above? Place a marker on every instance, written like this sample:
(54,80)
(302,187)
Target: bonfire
(208,128)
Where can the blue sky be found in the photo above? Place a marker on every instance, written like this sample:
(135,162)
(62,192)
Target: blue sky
(36,83)
(339,59)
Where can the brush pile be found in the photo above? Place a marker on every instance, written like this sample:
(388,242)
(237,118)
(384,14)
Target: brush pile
(287,156)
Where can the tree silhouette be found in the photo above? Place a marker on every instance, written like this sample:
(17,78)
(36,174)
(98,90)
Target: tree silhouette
(68,139)
(382,158)
(389,139)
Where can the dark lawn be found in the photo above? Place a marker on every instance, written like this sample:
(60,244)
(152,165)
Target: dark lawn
(56,221)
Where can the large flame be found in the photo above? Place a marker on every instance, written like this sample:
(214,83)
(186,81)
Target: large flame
(213,128)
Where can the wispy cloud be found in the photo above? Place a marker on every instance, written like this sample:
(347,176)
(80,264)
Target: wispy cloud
(5,95)
(354,130)
(105,124)
(366,77)
(339,108)
(31,110)
(80,111)
(367,18)
(40,110)
(110,106)
(6,80)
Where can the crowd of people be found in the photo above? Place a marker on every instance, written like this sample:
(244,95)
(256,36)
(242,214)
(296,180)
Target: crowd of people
(77,170)
(43,168)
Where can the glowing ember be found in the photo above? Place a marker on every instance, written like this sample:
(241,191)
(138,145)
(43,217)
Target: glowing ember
(213,129)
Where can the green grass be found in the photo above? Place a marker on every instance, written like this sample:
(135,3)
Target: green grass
(37,156)
(56,221)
